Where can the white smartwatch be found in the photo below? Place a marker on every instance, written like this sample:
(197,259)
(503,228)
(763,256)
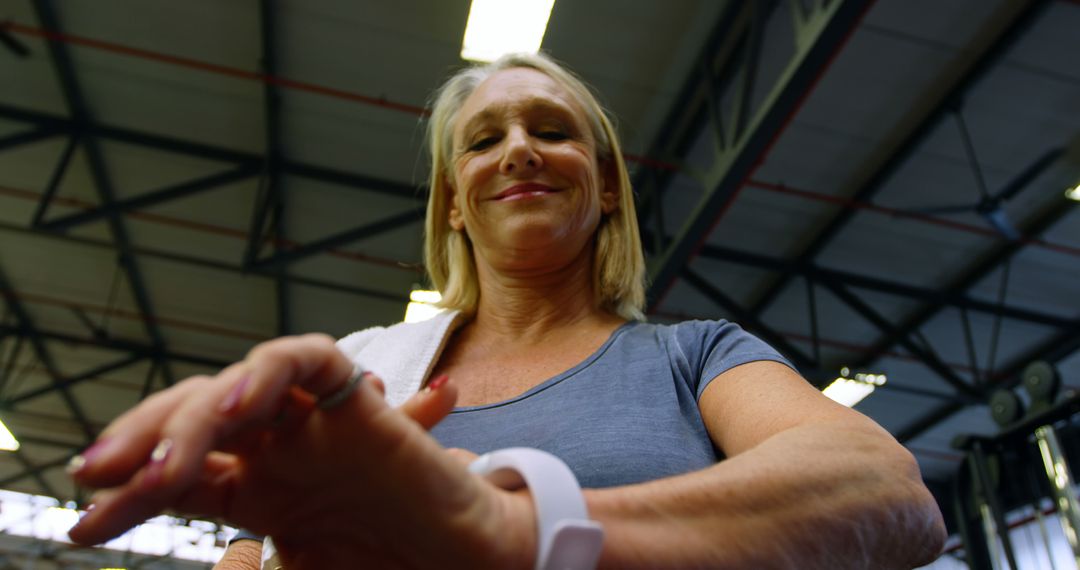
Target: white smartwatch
(567,539)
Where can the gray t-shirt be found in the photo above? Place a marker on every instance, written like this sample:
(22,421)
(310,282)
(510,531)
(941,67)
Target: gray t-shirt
(627,414)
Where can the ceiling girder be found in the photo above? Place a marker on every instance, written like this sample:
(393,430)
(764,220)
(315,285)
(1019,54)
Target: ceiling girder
(816,272)
(26,327)
(210,152)
(271,192)
(820,36)
(694,104)
(926,354)
(139,349)
(27,137)
(1053,350)
(147,199)
(1034,226)
(1005,27)
(322,245)
(53,186)
(218,265)
(70,381)
(69,86)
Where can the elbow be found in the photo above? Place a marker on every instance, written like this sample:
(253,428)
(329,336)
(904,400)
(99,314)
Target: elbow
(915,521)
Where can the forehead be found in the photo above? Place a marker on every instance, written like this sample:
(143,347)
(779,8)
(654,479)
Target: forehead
(515,90)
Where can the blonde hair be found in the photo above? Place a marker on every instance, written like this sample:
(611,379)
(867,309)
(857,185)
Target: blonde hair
(618,263)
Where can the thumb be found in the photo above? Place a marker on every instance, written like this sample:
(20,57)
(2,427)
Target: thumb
(429,406)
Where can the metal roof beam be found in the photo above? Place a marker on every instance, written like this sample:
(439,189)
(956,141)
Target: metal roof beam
(199,150)
(37,342)
(1004,28)
(365,231)
(73,380)
(695,102)
(275,195)
(211,264)
(137,349)
(34,471)
(79,110)
(926,355)
(946,298)
(27,137)
(1056,349)
(815,43)
(1050,213)
(151,198)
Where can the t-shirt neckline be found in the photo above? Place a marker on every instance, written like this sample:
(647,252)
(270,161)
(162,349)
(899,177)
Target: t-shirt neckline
(558,378)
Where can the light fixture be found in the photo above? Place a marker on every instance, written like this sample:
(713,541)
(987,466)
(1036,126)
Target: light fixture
(7,440)
(422,305)
(499,27)
(1073,193)
(848,390)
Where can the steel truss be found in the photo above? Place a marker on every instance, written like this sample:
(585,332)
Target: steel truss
(721,68)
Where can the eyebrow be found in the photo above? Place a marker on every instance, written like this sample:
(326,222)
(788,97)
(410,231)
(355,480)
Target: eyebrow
(531,105)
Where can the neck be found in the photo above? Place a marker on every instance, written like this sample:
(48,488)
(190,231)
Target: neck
(527,305)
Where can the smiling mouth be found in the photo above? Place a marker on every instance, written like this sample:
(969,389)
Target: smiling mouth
(521,191)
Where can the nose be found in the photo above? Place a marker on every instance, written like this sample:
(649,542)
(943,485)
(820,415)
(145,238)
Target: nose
(519,154)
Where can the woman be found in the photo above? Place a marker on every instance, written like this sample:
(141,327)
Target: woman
(531,237)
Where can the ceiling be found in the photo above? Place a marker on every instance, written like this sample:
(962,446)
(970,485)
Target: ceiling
(180,180)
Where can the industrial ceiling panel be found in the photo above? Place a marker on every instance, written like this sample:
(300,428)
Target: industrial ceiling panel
(944,26)
(902,250)
(946,334)
(353,137)
(182,293)
(767,219)
(1041,279)
(348,313)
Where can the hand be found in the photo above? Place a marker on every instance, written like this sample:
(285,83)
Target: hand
(361,481)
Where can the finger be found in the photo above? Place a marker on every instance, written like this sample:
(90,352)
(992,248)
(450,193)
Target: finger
(379,384)
(429,406)
(125,445)
(311,362)
(463,456)
(115,511)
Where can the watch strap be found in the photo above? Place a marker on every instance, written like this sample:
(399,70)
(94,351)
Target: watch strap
(567,539)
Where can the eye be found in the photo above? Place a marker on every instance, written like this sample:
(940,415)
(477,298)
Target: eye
(552,135)
(483,143)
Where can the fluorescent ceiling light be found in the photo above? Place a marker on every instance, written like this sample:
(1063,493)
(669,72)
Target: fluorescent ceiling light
(422,305)
(7,440)
(499,27)
(851,391)
(1073,193)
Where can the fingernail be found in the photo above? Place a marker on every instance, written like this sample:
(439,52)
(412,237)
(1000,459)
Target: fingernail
(80,461)
(232,400)
(156,467)
(438,382)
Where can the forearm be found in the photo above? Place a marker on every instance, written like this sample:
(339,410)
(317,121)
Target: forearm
(241,555)
(823,496)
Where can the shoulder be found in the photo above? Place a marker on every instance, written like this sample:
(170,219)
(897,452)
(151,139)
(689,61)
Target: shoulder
(688,335)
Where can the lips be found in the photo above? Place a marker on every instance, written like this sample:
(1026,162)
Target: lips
(525,190)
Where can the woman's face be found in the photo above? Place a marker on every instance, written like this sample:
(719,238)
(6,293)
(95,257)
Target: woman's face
(526,181)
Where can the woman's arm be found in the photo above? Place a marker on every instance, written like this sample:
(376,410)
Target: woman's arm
(241,555)
(808,484)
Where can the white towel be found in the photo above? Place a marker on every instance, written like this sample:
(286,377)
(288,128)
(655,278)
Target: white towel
(401,355)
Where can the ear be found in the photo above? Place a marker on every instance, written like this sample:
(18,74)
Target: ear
(609,189)
(453,212)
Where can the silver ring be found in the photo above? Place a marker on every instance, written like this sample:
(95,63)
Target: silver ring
(334,399)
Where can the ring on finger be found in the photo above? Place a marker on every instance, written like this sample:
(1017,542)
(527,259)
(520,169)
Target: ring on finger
(338,396)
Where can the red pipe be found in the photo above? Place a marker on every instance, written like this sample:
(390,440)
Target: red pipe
(213,68)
